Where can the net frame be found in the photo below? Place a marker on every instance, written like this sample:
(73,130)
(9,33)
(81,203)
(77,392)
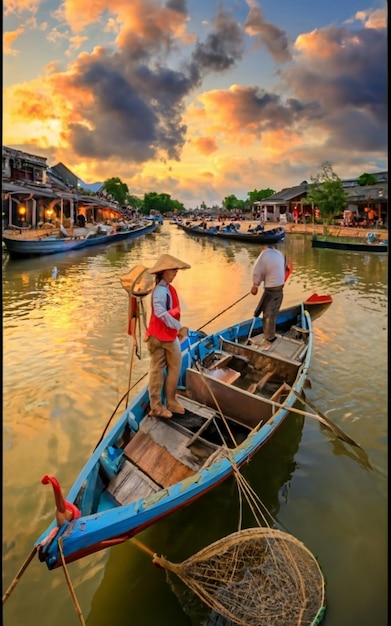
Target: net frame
(256,576)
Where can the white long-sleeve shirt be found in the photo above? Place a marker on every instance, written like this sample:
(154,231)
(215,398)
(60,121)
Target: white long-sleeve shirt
(269,268)
(162,304)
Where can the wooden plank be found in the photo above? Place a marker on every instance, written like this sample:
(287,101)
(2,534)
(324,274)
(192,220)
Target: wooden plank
(130,485)
(226,374)
(156,461)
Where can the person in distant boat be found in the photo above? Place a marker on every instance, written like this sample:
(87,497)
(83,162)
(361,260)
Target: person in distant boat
(163,336)
(269,269)
(81,220)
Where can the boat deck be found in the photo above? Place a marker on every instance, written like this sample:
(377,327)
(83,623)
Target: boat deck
(165,451)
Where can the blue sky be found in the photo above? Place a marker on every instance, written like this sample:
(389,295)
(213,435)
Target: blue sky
(196,98)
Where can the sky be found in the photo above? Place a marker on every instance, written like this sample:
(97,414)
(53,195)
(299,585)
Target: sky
(196,98)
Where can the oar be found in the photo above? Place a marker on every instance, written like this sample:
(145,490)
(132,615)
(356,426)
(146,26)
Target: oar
(19,574)
(221,312)
(318,416)
(324,420)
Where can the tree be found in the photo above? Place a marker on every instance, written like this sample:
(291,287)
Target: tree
(134,202)
(232,203)
(161,202)
(256,196)
(366,179)
(327,193)
(116,189)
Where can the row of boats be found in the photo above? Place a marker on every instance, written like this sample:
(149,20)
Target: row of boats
(20,243)
(369,242)
(43,242)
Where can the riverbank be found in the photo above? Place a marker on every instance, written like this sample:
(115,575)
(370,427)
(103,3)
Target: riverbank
(310,229)
(336,231)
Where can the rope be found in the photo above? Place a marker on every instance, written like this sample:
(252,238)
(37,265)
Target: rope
(70,586)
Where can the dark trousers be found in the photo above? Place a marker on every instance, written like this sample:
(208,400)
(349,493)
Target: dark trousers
(269,305)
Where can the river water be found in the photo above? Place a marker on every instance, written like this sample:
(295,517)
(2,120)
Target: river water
(66,365)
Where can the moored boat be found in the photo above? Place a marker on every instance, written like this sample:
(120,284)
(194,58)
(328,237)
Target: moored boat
(43,243)
(235,396)
(232,231)
(369,243)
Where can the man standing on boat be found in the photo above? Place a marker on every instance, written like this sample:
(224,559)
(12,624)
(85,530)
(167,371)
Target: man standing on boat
(269,268)
(163,337)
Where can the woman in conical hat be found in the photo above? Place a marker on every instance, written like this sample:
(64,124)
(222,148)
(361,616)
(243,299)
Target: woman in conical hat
(163,337)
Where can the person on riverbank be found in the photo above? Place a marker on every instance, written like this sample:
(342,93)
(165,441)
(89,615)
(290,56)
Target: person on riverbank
(269,269)
(163,336)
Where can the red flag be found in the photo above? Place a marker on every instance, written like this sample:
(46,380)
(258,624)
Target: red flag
(132,316)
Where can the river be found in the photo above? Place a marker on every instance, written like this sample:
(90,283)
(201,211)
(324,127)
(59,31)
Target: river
(66,364)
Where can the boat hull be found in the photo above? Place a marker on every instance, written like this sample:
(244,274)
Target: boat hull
(108,518)
(339,243)
(19,247)
(272,236)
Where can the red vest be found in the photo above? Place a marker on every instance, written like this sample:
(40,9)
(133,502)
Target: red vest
(157,328)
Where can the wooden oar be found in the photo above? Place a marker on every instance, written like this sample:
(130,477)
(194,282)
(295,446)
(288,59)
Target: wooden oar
(221,312)
(324,420)
(19,574)
(317,415)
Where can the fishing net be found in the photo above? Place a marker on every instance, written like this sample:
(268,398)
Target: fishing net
(257,576)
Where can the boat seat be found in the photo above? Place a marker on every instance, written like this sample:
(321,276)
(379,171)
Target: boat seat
(226,374)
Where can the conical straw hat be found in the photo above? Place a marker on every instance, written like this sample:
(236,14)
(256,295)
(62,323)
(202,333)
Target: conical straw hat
(168,262)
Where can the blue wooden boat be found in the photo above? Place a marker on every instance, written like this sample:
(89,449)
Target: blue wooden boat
(236,394)
(44,243)
(232,231)
(353,244)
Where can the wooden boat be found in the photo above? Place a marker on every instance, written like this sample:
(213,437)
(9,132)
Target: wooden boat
(354,244)
(46,243)
(235,393)
(273,235)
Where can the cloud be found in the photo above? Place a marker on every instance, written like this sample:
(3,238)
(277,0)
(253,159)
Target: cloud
(266,34)
(130,104)
(250,111)
(205,145)
(8,40)
(342,69)
(17,7)
(222,48)
(142,106)
(372,18)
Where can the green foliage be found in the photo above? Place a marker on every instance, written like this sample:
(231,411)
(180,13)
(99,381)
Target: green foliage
(134,202)
(366,179)
(233,203)
(161,202)
(116,189)
(256,196)
(327,193)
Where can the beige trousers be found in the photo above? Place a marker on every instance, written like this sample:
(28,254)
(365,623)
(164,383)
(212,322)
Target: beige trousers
(164,354)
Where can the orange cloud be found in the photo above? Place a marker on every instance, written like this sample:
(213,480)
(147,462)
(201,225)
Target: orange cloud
(376,18)
(317,45)
(8,40)
(205,145)
(140,19)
